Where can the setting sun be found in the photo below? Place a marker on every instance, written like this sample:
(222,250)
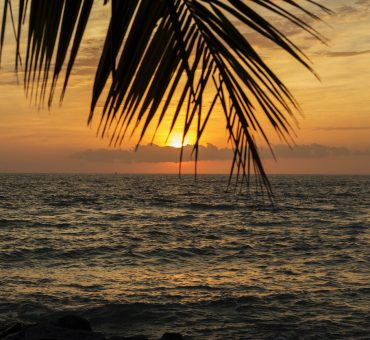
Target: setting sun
(175,140)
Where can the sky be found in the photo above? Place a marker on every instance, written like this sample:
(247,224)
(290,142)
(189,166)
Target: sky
(332,136)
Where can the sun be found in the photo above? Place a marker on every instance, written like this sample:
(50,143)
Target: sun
(175,140)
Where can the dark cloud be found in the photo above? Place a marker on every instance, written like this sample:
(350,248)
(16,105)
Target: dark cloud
(153,154)
(344,128)
(310,151)
(364,3)
(158,154)
(346,53)
(351,12)
(314,151)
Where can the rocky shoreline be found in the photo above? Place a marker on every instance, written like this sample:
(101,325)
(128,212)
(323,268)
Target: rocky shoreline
(66,327)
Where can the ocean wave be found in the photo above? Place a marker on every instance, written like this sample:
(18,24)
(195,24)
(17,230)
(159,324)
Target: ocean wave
(211,206)
(245,317)
(210,264)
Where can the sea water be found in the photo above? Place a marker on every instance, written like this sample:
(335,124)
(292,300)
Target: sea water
(145,254)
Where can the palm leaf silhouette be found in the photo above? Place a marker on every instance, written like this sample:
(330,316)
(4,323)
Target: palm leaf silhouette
(159,52)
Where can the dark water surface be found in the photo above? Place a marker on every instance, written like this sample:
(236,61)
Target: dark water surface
(148,254)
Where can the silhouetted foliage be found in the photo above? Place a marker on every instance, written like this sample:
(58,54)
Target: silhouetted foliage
(158,52)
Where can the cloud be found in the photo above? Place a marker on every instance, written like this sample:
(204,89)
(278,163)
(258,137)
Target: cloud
(343,128)
(346,53)
(158,154)
(313,151)
(310,151)
(353,12)
(153,154)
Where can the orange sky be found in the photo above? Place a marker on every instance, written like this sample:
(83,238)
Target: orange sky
(336,110)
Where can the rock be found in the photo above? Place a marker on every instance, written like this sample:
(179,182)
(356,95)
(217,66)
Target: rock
(66,327)
(50,331)
(172,336)
(136,337)
(76,322)
(11,329)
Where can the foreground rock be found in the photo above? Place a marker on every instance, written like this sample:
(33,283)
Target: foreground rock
(67,327)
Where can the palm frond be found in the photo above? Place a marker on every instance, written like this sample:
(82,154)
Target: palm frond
(159,52)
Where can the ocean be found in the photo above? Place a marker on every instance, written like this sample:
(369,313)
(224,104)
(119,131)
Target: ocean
(145,254)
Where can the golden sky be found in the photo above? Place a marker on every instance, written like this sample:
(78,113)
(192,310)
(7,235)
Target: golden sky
(333,135)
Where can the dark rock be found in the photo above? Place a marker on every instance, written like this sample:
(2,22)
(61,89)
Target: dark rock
(66,327)
(11,329)
(172,336)
(76,322)
(51,332)
(136,337)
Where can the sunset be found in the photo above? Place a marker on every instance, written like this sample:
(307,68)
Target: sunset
(335,109)
(262,107)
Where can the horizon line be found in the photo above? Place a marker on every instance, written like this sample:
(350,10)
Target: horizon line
(171,174)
